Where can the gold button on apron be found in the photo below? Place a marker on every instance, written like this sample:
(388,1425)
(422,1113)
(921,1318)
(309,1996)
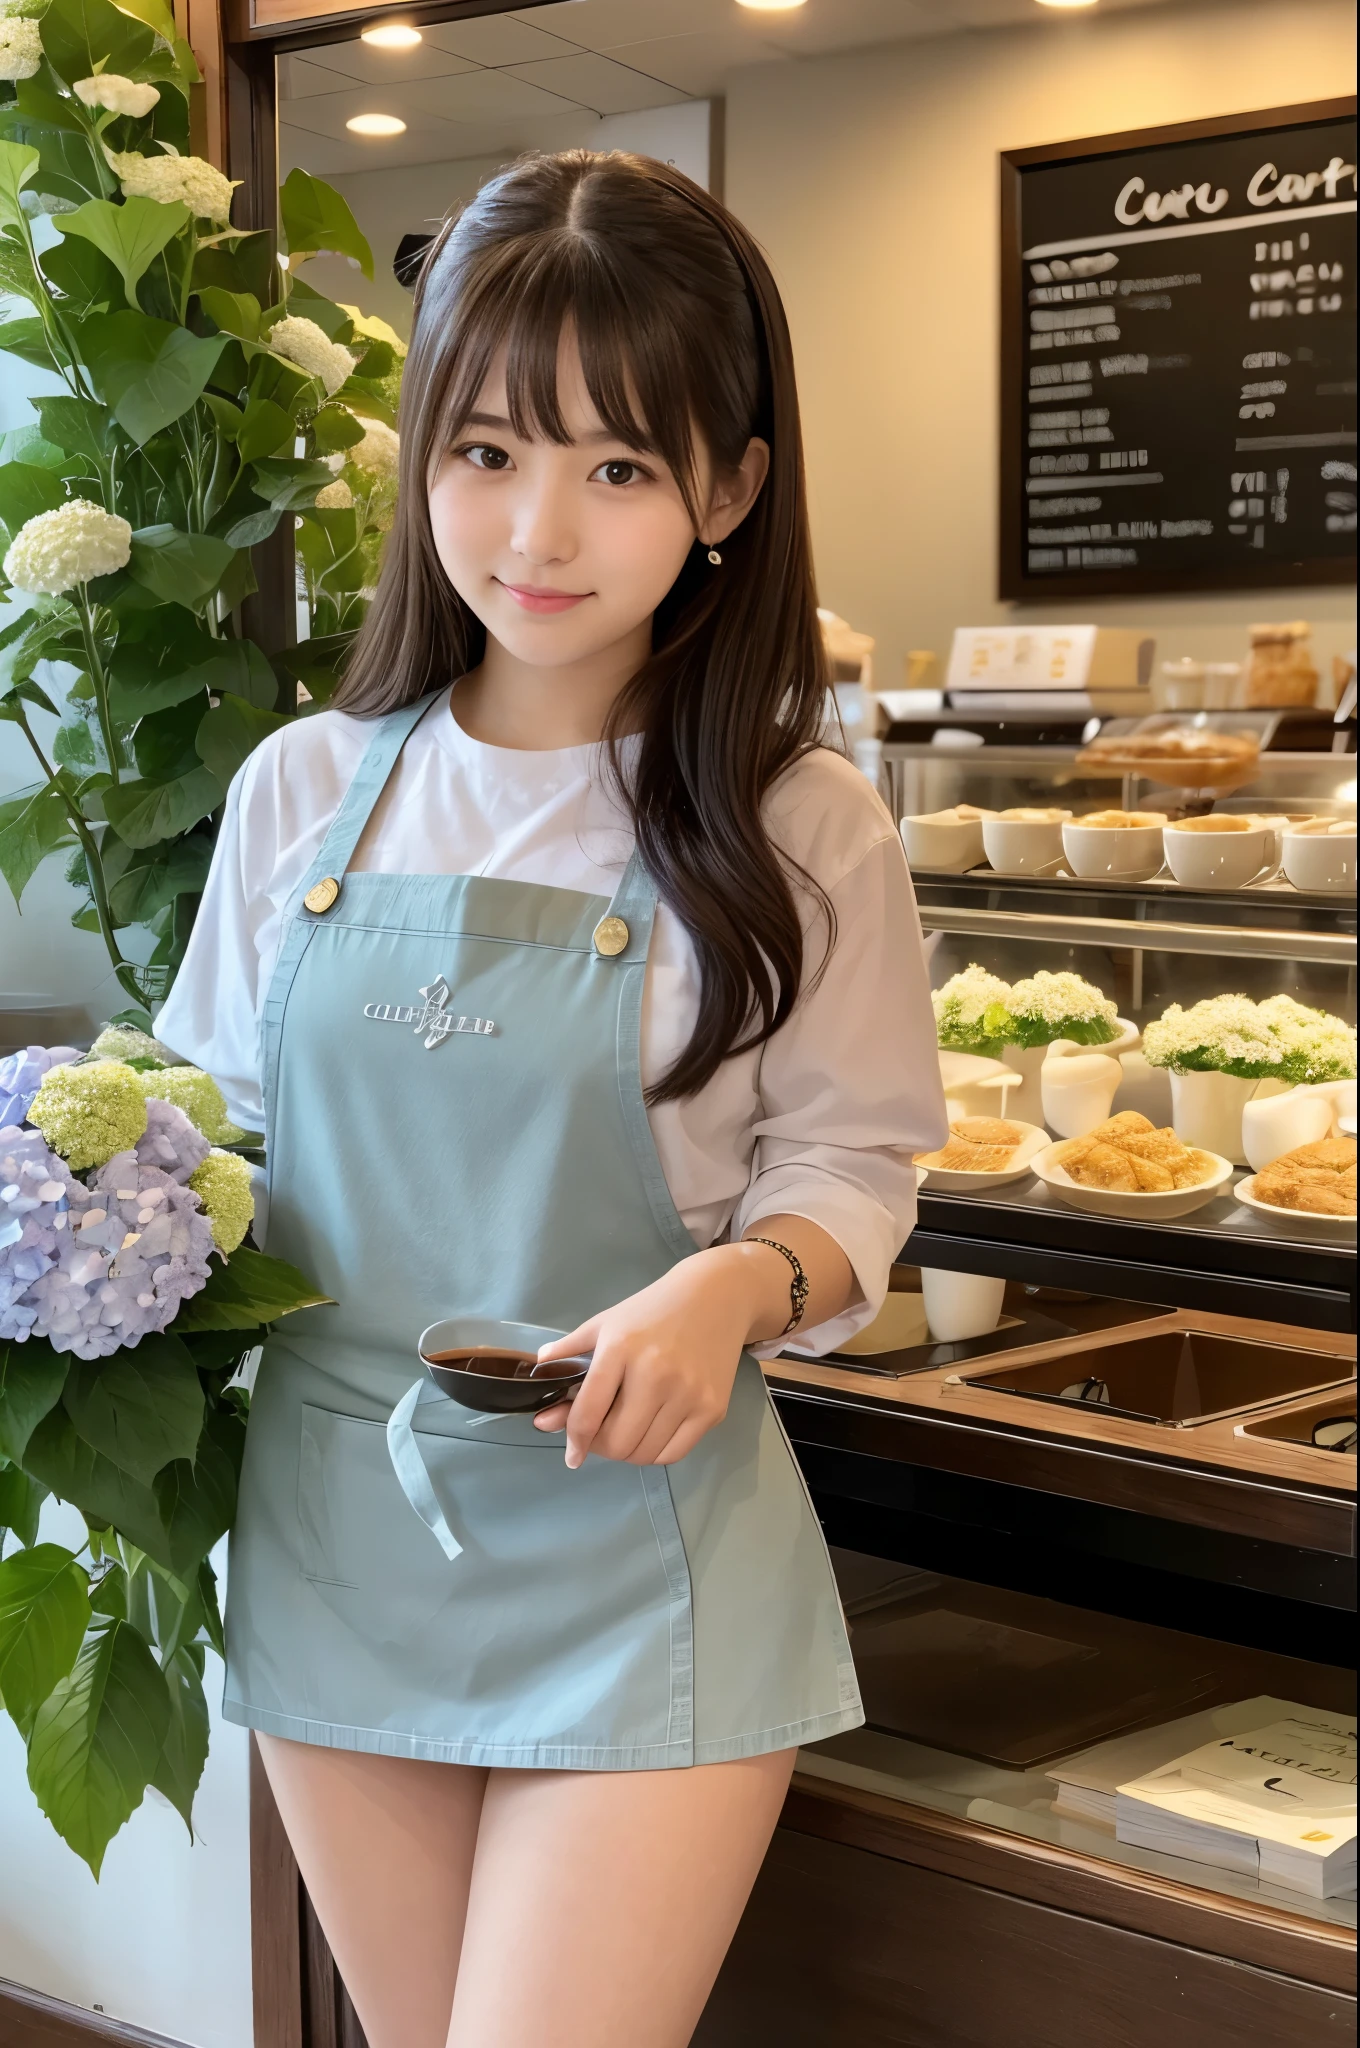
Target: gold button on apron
(611,936)
(320,898)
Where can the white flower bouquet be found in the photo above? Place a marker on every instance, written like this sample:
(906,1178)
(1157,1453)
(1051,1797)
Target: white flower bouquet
(1279,1039)
(978,1012)
(129,1300)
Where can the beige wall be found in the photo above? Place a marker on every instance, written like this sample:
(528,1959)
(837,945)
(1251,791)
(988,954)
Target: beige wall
(871,181)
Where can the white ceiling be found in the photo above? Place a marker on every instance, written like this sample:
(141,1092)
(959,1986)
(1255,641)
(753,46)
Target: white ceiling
(530,78)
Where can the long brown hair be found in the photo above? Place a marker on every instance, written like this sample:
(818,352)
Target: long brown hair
(682,336)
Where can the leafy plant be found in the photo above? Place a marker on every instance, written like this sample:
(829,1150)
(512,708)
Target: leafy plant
(128,1305)
(209,397)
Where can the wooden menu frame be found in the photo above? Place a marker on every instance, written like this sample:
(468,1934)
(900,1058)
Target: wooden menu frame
(1012,585)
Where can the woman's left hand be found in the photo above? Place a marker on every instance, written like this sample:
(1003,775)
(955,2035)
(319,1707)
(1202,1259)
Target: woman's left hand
(664,1360)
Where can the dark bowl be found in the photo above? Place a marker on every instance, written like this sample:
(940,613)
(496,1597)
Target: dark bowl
(481,1363)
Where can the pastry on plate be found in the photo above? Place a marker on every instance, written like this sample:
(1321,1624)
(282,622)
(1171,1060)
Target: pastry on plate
(976,1144)
(1130,1155)
(1318,1179)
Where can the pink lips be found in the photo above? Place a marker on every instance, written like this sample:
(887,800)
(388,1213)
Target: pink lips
(531,600)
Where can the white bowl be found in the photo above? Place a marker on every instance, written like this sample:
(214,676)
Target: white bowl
(1321,861)
(940,840)
(1137,1208)
(949,1180)
(1131,853)
(1021,846)
(1302,1221)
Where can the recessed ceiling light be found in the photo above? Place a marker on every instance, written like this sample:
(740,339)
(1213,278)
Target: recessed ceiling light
(394,36)
(1067,3)
(376,124)
(771,6)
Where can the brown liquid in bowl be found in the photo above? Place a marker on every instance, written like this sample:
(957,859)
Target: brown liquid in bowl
(503,1365)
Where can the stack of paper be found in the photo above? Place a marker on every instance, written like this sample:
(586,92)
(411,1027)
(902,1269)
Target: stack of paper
(1087,1782)
(1278,1801)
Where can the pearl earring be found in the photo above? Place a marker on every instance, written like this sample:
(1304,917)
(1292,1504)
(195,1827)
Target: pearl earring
(715,558)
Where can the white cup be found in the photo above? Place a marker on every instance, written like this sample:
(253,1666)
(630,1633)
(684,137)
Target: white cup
(1316,857)
(1077,1089)
(941,839)
(1220,852)
(1019,846)
(960,1305)
(1130,853)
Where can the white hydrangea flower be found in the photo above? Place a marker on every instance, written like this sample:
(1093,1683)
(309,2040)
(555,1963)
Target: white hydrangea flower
(308,347)
(119,95)
(1060,997)
(336,497)
(21,50)
(966,996)
(56,550)
(172,178)
(1220,1034)
(377,452)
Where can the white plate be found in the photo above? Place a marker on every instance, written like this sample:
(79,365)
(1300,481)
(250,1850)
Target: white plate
(948,1180)
(1303,1221)
(1137,1208)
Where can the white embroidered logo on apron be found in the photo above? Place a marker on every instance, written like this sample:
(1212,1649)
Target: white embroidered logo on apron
(431,1019)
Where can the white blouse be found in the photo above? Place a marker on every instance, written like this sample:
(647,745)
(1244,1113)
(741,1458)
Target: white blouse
(822,1121)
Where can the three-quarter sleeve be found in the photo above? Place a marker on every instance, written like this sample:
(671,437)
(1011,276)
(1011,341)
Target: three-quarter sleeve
(850,1089)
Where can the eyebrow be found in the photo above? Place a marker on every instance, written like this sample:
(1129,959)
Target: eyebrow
(495,419)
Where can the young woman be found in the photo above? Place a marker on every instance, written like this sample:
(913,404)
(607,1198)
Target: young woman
(588,992)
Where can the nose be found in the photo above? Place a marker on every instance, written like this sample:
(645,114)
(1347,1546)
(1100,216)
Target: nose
(543,531)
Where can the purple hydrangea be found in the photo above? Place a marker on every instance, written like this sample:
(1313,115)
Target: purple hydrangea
(21,1076)
(136,1252)
(170,1141)
(39,1197)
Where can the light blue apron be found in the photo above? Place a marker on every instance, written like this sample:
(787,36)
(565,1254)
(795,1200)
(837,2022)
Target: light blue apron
(456,1126)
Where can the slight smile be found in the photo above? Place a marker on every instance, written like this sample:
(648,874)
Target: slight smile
(533,600)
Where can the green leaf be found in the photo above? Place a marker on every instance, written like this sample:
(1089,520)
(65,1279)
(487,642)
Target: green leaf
(141,1408)
(32,1376)
(107,1497)
(198,1501)
(154,14)
(149,675)
(131,234)
(17,165)
(21,1500)
(73,747)
(147,371)
(251,1288)
(164,743)
(227,415)
(231,732)
(317,664)
(44,1613)
(246,264)
(84,36)
(77,425)
(235,313)
(181,568)
(250,531)
(83,275)
(186,1741)
(26,339)
(335,428)
(266,430)
(154,878)
(144,813)
(25,491)
(31,826)
(286,486)
(315,217)
(97,1741)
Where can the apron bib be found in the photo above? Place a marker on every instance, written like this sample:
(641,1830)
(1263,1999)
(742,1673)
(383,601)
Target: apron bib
(456,1126)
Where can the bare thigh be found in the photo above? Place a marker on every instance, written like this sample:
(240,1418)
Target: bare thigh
(633,1882)
(385,1846)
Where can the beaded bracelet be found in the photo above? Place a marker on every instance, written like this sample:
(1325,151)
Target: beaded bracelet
(798,1286)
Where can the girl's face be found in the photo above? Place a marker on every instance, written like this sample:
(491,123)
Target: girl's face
(564,553)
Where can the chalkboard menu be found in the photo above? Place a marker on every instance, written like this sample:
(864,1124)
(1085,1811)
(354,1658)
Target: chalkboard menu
(1178,357)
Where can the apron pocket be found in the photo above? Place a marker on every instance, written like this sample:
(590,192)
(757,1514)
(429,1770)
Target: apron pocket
(364,1550)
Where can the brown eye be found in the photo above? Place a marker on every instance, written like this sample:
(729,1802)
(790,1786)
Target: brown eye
(619,472)
(482,455)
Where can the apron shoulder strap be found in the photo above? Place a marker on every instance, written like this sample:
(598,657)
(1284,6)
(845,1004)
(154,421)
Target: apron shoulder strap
(356,807)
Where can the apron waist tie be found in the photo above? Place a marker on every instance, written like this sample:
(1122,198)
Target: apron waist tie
(409,1465)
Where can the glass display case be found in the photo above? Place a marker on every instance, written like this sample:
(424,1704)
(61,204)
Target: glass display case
(1147,940)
